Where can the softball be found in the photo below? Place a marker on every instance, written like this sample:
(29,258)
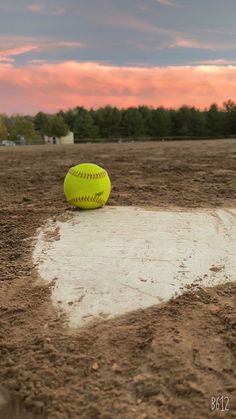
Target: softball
(87,186)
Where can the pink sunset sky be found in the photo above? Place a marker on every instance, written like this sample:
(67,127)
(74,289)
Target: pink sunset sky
(62,54)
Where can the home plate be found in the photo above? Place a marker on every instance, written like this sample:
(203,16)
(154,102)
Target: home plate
(108,262)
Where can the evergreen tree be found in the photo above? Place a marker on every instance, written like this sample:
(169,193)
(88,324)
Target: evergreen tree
(160,123)
(229,108)
(198,123)
(215,121)
(132,123)
(146,116)
(108,120)
(139,122)
(84,126)
(3,130)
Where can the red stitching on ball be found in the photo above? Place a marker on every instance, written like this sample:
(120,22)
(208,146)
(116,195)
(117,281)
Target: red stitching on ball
(87,198)
(87,175)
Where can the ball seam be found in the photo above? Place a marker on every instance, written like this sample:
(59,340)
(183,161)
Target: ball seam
(87,175)
(87,198)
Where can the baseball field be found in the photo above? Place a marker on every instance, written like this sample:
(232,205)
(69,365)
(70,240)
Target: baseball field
(173,360)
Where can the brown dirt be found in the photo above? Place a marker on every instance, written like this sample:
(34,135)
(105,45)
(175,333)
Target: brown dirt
(163,362)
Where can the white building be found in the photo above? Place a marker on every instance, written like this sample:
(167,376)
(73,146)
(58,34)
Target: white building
(68,139)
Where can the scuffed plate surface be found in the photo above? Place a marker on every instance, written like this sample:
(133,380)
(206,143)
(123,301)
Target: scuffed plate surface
(114,260)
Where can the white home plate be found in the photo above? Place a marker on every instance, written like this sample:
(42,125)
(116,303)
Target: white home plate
(110,261)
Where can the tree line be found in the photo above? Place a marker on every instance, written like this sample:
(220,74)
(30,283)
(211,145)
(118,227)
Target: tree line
(111,123)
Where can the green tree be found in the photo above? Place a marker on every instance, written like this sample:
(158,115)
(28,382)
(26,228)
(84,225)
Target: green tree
(198,123)
(146,116)
(41,122)
(3,130)
(160,122)
(132,123)
(84,126)
(56,127)
(21,126)
(70,117)
(229,108)
(108,121)
(181,120)
(215,120)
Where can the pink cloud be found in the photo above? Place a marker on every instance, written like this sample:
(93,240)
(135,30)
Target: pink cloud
(6,59)
(40,8)
(17,51)
(168,3)
(37,8)
(219,61)
(50,87)
(45,45)
(191,43)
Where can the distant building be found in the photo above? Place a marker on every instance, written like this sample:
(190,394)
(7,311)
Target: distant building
(68,139)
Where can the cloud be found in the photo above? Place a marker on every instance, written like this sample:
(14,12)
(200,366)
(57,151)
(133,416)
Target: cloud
(22,5)
(50,87)
(38,45)
(66,44)
(219,32)
(39,61)
(6,60)
(143,7)
(216,62)
(7,54)
(36,8)
(191,43)
(168,3)
(165,37)
(18,50)
(42,8)
(120,19)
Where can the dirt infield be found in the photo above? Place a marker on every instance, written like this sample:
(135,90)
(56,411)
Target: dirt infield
(163,362)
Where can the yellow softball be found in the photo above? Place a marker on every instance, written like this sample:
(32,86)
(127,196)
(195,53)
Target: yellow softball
(87,186)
